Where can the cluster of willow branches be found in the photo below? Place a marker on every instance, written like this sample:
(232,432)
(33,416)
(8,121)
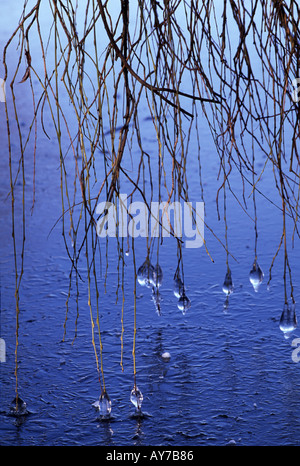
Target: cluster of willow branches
(103,65)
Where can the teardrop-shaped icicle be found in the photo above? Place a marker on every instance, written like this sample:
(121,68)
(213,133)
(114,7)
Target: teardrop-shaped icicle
(18,407)
(256,276)
(136,398)
(228,284)
(145,274)
(104,404)
(288,320)
(157,276)
(179,288)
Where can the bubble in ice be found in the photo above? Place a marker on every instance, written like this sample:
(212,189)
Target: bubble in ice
(166,356)
(183,304)
(179,289)
(256,276)
(145,274)
(288,319)
(136,398)
(103,405)
(228,284)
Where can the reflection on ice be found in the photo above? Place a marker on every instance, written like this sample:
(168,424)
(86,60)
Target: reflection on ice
(256,276)
(227,288)
(288,319)
(226,304)
(156,298)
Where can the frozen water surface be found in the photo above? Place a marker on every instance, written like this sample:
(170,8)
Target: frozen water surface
(231,378)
